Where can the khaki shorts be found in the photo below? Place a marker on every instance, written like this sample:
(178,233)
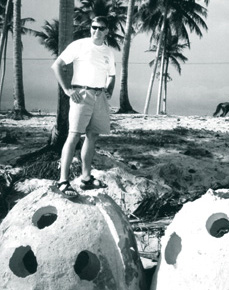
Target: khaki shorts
(92,113)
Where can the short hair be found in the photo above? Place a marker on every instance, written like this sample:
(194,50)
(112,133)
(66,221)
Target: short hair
(101,19)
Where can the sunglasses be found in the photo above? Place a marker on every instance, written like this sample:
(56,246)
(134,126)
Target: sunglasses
(101,28)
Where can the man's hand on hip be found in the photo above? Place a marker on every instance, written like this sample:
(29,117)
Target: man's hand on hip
(74,95)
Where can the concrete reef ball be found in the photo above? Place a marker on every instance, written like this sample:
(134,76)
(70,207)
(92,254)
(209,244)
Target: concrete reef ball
(195,252)
(49,242)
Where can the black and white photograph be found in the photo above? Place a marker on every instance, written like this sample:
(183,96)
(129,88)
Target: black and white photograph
(114,144)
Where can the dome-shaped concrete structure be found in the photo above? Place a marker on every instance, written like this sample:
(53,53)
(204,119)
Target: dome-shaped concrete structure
(194,252)
(51,243)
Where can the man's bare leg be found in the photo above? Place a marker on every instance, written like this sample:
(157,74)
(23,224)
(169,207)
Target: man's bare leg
(87,154)
(68,154)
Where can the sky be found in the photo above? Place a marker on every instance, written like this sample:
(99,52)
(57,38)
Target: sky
(203,83)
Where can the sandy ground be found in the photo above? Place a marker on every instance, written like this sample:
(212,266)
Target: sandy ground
(24,136)
(188,153)
(152,164)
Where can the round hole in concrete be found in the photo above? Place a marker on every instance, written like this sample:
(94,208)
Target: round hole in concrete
(87,265)
(173,248)
(23,262)
(218,225)
(44,217)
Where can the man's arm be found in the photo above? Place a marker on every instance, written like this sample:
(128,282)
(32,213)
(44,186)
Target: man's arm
(110,86)
(59,68)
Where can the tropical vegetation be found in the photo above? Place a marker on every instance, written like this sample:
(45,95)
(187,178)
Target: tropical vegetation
(11,21)
(171,53)
(165,20)
(174,17)
(125,106)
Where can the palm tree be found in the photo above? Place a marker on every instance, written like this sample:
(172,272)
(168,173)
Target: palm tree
(116,19)
(178,15)
(49,37)
(3,67)
(125,106)
(174,56)
(161,79)
(6,14)
(60,130)
(157,17)
(19,98)
(171,53)
(9,10)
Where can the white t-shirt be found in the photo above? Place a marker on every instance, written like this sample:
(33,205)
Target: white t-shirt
(92,64)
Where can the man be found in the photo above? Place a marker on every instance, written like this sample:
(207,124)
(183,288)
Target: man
(91,87)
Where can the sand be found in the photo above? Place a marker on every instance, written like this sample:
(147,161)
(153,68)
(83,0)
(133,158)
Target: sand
(152,165)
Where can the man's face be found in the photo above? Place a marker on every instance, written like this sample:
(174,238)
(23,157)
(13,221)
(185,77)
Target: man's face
(98,31)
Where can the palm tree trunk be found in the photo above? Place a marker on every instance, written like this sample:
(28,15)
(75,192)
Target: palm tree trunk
(60,130)
(19,98)
(3,68)
(8,11)
(125,106)
(164,103)
(161,82)
(153,75)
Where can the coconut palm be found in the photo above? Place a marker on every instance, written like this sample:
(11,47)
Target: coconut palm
(156,19)
(125,106)
(132,25)
(170,54)
(49,37)
(6,10)
(176,14)
(6,26)
(19,98)
(6,14)
(116,19)
(60,130)
(174,56)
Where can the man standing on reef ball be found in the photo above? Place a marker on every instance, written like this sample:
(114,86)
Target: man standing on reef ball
(91,87)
